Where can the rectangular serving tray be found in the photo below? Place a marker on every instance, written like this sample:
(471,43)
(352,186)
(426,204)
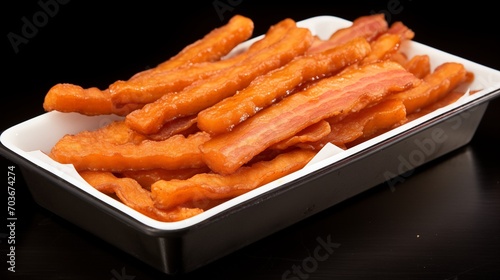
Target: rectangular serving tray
(332,176)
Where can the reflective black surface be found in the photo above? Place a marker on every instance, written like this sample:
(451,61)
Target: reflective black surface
(442,222)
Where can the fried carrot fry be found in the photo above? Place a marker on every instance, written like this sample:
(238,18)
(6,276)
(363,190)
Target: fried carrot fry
(419,65)
(444,78)
(133,195)
(213,46)
(340,94)
(449,98)
(266,89)
(146,88)
(387,45)
(147,177)
(116,133)
(274,34)
(199,96)
(382,48)
(385,115)
(209,186)
(400,58)
(92,101)
(87,152)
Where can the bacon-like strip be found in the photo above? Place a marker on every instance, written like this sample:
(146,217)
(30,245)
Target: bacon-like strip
(87,152)
(210,186)
(184,126)
(133,195)
(399,28)
(340,94)
(147,87)
(303,139)
(273,86)
(363,124)
(369,27)
(200,96)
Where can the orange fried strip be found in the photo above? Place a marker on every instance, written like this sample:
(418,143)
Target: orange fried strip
(363,124)
(387,45)
(146,88)
(266,89)
(209,186)
(449,98)
(86,151)
(275,33)
(133,195)
(419,65)
(368,27)
(147,177)
(183,125)
(383,47)
(92,101)
(399,28)
(213,46)
(444,78)
(399,57)
(200,96)
(340,94)
(310,134)
(116,133)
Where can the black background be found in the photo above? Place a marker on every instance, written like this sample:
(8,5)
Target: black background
(441,223)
